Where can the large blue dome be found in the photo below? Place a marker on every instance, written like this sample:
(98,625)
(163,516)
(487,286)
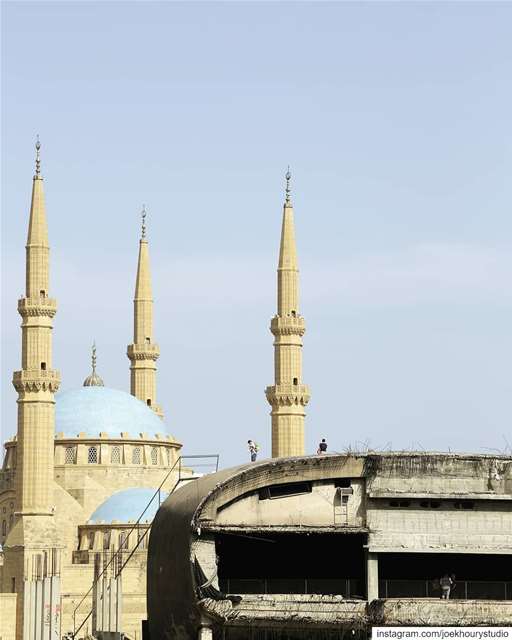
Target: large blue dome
(94,409)
(128,505)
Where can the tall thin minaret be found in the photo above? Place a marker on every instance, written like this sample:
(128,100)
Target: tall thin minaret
(37,382)
(288,397)
(143,352)
(34,534)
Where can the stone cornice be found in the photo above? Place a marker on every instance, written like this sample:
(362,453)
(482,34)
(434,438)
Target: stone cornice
(288,395)
(34,307)
(36,380)
(143,351)
(287,325)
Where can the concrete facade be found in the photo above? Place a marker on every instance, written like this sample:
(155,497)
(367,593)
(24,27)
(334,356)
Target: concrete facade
(334,543)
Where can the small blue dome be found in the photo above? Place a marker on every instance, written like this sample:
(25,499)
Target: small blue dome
(128,505)
(94,409)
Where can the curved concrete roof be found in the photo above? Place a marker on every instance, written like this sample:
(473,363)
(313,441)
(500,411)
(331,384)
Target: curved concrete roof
(171,585)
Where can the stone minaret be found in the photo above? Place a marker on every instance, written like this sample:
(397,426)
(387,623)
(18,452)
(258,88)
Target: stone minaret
(143,353)
(34,534)
(288,397)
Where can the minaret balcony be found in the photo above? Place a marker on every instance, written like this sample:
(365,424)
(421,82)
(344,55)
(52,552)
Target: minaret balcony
(143,351)
(287,325)
(288,394)
(40,306)
(36,380)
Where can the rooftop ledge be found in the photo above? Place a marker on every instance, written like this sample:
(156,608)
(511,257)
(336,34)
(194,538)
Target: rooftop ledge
(484,495)
(334,611)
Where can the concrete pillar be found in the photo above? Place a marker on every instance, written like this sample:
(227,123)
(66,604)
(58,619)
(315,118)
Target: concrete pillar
(372,576)
(205,633)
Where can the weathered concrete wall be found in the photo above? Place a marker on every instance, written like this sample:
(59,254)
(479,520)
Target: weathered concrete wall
(427,612)
(485,529)
(321,507)
(438,474)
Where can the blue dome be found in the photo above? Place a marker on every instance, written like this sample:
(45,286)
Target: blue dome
(94,409)
(128,505)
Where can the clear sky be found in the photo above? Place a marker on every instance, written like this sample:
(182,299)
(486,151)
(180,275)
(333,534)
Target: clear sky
(396,121)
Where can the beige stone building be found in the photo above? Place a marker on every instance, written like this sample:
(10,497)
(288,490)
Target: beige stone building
(83,466)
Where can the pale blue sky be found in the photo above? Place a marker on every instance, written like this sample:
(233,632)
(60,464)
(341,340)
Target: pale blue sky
(396,121)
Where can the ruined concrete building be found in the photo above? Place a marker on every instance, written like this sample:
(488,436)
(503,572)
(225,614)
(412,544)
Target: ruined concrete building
(323,546)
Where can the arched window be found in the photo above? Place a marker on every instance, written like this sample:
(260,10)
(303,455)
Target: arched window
(4,527)
(106,540)
(70,455)
(91,540)
(154,455)
(92,456)
(115,455)
(142,539)
(136,457)
(123,540)
(11,518)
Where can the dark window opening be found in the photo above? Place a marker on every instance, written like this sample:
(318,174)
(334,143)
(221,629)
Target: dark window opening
(42,293)
(416,575)
(295,381)
(13,585)
(284,490)
(294,314)
(464,504)
(148,402)
(329,563)
(430,504)
(43,366)
(148,340)
(402,504)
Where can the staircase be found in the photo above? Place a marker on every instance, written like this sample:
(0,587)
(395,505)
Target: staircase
(119,560)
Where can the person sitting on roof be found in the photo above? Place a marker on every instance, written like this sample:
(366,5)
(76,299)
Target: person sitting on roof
(322,447)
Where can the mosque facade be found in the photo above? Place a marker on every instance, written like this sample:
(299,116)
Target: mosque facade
(83,466)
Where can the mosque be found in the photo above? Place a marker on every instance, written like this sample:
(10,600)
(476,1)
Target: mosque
(82,467)
(86,463)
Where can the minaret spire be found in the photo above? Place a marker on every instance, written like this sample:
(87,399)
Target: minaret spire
(143,353)
(93,380)
(288,397)
(34,532)
(38,159)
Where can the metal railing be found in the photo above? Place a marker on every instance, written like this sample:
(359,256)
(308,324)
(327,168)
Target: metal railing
(463,589)
(347,587)
(177,466)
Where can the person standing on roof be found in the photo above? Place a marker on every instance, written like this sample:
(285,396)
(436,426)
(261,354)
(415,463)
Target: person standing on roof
(253,450)
(446,584)
(322,448)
